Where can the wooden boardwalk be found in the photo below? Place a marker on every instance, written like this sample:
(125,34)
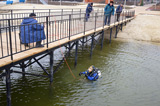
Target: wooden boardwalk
(67,31)
(34,51)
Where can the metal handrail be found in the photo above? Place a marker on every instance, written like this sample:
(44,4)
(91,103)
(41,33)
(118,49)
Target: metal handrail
(66,27)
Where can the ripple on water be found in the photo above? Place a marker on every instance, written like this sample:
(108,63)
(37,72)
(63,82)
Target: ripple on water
(130,76)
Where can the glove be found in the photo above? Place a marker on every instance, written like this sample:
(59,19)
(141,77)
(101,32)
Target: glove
(80,74)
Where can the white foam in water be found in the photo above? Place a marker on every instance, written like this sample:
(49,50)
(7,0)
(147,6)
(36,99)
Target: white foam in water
(142,28)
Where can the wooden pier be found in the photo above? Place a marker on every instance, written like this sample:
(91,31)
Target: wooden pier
(15,54)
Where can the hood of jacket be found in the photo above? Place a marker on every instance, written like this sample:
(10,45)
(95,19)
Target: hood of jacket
(28,21)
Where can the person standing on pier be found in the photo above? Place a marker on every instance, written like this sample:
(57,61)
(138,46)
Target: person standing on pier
(119,10)
(108,11)
(31,31)
(89,9)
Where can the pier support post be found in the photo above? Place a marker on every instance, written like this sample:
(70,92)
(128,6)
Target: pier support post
(82,42)
(110,35)
(51,66)
(92,46)
(76,53)
(86,38)
(69,44)
(121,26)
(116,31)
(102,39)
(23,69)
(8,87)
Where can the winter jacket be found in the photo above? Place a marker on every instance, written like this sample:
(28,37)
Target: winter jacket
(89,8)
(108,10)
(30,31)
(119,9)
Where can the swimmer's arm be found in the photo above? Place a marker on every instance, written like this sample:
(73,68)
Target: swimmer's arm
(85,72)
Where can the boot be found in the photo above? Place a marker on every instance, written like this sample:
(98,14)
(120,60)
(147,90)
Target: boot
(38,44)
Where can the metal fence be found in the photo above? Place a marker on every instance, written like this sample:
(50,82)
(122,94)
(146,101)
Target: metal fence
(15,14)
(55,27)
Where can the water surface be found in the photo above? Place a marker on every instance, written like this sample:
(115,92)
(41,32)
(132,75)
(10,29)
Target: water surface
(130,77)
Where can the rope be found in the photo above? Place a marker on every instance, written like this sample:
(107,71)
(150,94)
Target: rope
(62,52)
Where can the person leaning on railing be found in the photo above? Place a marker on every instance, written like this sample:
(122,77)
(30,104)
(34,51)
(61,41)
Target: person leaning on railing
(31,31)
(119,10)
(108,10)
(89,9)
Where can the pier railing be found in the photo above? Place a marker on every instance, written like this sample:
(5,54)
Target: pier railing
(56,27)
(16,13)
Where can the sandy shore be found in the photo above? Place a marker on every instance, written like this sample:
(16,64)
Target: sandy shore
(142,28)
(138,9)
(26,7)
(145,27)
(40,6)
(143,10)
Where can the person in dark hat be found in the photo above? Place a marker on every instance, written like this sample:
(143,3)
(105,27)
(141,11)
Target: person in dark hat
(89,9)
(119,10)
(31,31)
(33,15)
(108,11)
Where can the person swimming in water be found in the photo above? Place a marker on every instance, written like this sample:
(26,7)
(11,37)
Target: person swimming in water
(92,73)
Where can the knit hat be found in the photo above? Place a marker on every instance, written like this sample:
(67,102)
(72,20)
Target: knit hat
(111,2)
(32,14)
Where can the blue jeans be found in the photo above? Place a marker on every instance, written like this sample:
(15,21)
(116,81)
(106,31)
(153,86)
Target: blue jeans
(87,16)
(105,20)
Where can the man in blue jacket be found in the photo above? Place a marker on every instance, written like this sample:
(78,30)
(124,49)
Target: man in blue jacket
(119,10)
(31,31)
(108,11)
(92,73)
(89,10)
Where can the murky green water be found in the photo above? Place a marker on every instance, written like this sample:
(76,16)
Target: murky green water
(130,77)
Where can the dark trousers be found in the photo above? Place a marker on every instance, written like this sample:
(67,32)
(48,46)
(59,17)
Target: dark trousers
(38,43)
(118,15)
(87,16)
(109,19)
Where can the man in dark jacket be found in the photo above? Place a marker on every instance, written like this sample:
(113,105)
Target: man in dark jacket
(89,10)
(31,31)
(119,10)
(108,10)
